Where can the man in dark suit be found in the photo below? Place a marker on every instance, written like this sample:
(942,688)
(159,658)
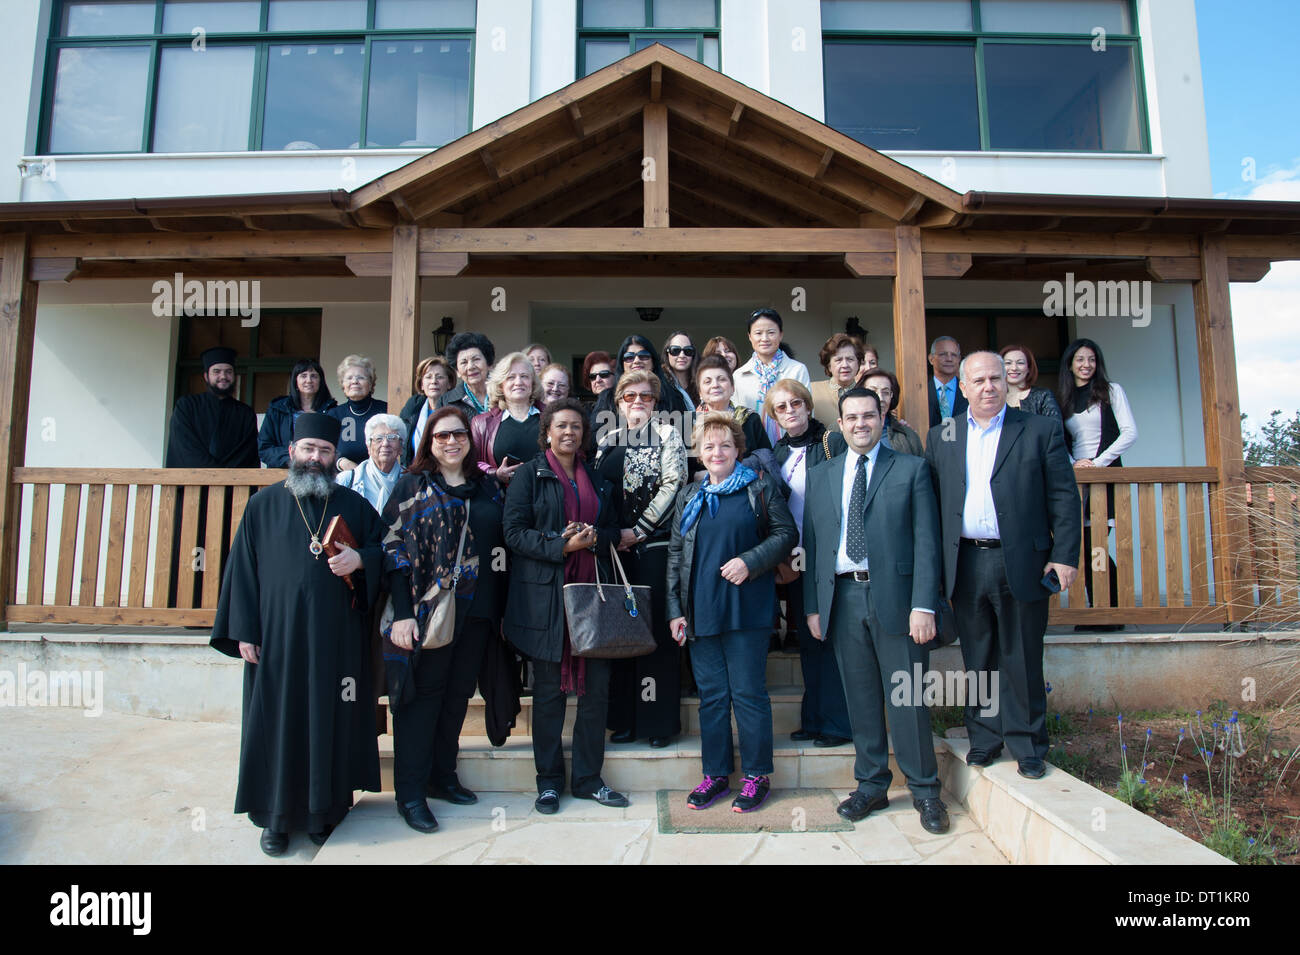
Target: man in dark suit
(946,399)
(871,537)
(1009,506)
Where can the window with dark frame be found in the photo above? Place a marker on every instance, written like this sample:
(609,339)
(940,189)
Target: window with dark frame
(1014,75)
(609,30)
(246,75)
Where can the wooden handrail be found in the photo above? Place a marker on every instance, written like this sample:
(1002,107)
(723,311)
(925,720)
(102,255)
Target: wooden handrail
(1179,475)
(1273,475)
(251,477)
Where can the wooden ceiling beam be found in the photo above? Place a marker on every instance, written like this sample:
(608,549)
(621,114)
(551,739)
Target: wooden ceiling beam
(209,245)
(670,240)
(554,181)
(1059,243)
(582,196)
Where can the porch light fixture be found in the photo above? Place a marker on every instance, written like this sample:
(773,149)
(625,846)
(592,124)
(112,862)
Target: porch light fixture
(442,335)
(649,314)
(854,327)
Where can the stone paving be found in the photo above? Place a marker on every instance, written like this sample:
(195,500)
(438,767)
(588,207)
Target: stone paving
(120,789)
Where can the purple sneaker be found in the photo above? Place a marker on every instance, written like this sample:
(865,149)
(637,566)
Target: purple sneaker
(708,792)
(753,793)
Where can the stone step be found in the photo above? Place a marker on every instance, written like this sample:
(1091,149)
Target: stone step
(636,766)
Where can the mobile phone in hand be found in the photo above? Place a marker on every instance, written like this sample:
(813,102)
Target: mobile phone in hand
(1051,581)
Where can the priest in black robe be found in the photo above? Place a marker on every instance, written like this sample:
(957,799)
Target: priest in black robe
(214,429)
(308,718)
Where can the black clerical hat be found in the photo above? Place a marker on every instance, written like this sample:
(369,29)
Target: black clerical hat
(322,427)
(219,355)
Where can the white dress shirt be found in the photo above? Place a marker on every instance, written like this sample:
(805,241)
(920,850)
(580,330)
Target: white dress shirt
(979,517)
(1085,430)
(842,563)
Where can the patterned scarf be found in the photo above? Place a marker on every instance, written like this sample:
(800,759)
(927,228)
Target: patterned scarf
(769,375)
(580,504)
(741,477)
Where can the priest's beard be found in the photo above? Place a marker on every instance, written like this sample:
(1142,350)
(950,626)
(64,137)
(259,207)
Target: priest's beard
(307,479)
(222,392)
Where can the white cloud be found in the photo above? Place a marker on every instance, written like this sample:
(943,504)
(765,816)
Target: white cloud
(1266,322)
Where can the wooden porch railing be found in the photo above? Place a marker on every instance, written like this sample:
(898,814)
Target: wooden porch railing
(146,548)
(1164,559)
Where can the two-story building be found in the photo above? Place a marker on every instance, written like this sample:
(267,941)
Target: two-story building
(537,170)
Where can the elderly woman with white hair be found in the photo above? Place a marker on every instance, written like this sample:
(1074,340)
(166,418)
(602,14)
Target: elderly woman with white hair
(357,379)
(375,477)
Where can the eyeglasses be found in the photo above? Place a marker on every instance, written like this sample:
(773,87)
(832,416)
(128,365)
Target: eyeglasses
(637,397)
(794,404)
(687,350)
(447,437)
(637,356)
(387,439)
(353,378)
(602,375)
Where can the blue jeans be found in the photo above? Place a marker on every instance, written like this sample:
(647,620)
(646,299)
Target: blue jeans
(731,672)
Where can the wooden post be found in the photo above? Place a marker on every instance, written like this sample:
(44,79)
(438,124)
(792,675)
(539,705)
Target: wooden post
(654,174)
(1220,408)
(17,338)
(909,328)
(403,315)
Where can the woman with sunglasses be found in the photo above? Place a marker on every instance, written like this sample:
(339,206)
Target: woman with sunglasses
(644,461)
(637,354)
(429,689)
(679,359)
(768,365)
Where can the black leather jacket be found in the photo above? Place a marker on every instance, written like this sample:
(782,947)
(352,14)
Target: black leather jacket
(776,531)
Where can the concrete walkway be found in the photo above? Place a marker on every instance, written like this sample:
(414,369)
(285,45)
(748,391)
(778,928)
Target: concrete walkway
(119,789)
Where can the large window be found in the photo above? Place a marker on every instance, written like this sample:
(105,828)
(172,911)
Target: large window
(1059,75)
(231,75)
(609,30)
(264,353)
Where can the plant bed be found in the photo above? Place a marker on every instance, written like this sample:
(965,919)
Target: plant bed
(1228,778)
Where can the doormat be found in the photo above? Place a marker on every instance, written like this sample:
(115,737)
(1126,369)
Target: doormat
(786,810)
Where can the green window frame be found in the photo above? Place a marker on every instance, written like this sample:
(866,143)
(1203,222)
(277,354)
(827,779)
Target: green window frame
(978,39)
(635,33)
(262,41)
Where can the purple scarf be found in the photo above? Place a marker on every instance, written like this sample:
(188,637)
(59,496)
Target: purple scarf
(581,505)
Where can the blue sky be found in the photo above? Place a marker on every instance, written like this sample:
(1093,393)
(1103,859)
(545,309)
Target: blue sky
(1250,69)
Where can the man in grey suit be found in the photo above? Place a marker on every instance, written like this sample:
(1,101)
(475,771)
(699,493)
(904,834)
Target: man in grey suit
(1010,514)
(871,536)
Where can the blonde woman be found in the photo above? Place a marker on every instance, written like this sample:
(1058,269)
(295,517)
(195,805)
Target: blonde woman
(506,434)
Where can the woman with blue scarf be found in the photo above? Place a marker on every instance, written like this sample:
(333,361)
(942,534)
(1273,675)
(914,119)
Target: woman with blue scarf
(728,534)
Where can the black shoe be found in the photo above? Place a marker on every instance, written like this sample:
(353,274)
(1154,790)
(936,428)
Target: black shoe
(827,741)
(548,802)
(983,757)
(623,736)
(858,806)
(453,792)
(320,837)
(274,843)
(934,814)
(659,742)
(1032,768)
(418,816)
(802,736)
(606,797)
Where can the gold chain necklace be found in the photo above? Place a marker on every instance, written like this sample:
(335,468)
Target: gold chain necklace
(315,546)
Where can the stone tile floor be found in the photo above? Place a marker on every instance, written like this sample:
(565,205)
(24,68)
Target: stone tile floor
(120,789)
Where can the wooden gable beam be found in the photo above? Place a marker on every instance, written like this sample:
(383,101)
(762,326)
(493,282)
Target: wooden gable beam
(555,180)
(582,196)
(734,123)
(210,245)
(1058,243)
(654,164)
(656,82)
(648,242)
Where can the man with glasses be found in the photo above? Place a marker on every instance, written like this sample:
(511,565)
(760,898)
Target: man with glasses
(374,478)
(946,399)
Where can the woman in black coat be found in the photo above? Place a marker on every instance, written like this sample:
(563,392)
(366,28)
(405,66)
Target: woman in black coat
(559,520)
(307,392)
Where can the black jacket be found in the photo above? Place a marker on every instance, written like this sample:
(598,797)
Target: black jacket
(410,415)
(277,431)
(1034,494)
(959,404)
(533,521)
(776,532)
